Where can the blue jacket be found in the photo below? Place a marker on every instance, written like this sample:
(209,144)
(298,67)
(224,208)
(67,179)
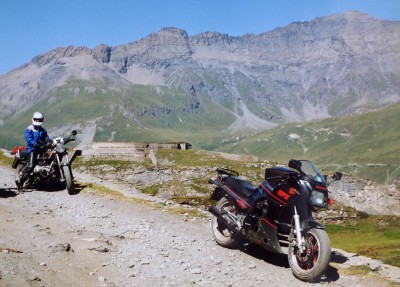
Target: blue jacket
(34,134)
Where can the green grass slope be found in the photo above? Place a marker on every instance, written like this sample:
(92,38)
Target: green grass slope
(124,113)
(367,145)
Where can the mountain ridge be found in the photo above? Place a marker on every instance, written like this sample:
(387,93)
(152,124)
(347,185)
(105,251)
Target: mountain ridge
(338,65)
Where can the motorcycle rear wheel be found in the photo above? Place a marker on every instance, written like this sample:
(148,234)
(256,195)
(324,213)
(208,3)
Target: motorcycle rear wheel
(312,263)
(18,174)
(68,179)
(221,234)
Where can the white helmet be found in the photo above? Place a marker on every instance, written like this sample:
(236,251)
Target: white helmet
(37,119)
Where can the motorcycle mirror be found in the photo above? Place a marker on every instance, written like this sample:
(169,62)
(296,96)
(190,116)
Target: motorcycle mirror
(337,176)
(295,164)
(74,132)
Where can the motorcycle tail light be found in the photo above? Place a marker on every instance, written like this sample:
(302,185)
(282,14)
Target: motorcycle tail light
(331,201)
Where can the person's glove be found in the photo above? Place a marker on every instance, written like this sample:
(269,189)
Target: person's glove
(41,145)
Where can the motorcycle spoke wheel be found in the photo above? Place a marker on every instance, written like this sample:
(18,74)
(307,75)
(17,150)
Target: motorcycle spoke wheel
(17,177)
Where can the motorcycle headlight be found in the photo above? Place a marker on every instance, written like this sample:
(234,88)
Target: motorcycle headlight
(318,199)
(60,148)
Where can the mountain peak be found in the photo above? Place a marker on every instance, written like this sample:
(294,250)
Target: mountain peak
(209,38)
(173,32)
(57,53)
(354,14)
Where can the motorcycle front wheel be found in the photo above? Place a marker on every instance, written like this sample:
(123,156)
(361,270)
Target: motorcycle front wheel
(313,261)
(221,234)
(68,179)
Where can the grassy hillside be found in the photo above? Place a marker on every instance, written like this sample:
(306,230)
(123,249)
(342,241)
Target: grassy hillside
(367,145)
(128,113)
(375,236)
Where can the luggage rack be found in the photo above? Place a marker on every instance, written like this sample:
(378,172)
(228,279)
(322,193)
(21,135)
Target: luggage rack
(226,171)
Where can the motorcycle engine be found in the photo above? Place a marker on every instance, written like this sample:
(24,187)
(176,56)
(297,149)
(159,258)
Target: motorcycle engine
(43,171)
(263,206)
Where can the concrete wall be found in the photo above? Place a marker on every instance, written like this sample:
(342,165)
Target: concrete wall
(128,150)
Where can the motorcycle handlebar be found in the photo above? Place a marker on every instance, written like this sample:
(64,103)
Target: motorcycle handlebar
(68,139)
(71,138)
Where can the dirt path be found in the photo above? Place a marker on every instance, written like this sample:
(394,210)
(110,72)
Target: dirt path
(53,239)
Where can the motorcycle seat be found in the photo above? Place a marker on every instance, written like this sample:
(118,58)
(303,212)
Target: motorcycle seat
(241,187)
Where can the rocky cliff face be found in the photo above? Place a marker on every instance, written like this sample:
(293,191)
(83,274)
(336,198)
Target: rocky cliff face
(337,65)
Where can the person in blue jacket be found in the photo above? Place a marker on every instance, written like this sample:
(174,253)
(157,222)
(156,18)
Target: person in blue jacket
(36,138)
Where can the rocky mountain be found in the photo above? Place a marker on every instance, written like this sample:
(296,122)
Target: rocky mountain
(169,84)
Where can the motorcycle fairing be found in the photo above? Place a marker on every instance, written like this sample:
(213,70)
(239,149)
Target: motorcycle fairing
(270,238)
(278,171)
(279,194)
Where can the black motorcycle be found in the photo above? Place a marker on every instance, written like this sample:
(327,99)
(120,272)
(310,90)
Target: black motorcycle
(277,215)
(53,163)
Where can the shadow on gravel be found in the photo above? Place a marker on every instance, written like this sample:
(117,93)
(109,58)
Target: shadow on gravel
(281,260)
(338,258)
(269,257)
(46,187)
(57,187)
(79,187)
(332,273)
(8,192)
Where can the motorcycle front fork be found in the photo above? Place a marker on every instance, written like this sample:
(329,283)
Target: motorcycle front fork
(59,162)
(300,243)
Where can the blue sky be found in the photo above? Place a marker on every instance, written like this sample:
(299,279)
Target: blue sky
(32,27)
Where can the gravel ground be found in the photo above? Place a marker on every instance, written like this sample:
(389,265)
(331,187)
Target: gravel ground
(54,239)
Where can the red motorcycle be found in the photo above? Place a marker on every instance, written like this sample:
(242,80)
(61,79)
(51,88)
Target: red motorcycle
(277,214)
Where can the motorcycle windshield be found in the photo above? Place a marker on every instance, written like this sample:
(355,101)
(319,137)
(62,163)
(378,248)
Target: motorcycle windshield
(312,171)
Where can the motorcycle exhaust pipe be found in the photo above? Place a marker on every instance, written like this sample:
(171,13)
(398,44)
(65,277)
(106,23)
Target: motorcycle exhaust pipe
(221,215)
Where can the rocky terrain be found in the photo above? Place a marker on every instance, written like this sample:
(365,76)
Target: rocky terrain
(53,239)
(362,195)
(367,196)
